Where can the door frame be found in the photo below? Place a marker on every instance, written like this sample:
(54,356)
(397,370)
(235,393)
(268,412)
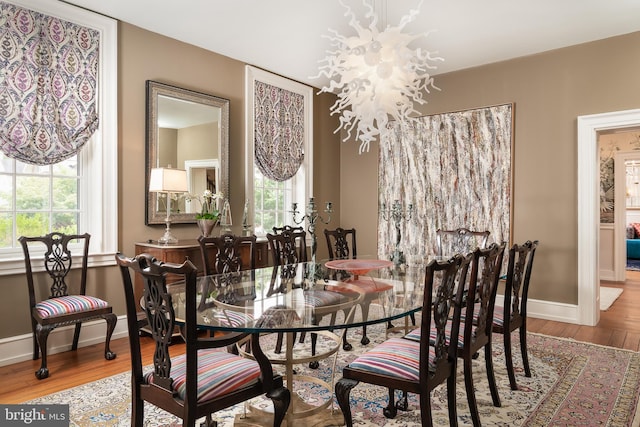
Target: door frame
(620,213)
(589,206)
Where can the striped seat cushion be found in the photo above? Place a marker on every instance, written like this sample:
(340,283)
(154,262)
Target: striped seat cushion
(396,357)
(219,373)
(414,335)
(367,286)
(314,298)
(498,315)
(70,304)
(233,318)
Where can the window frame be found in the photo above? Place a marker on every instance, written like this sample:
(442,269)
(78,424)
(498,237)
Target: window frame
(301,191)
(98,159)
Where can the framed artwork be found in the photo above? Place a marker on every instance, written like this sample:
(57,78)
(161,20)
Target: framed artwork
(455,169)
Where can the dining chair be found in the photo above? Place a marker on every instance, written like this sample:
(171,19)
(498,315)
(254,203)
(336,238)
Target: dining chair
(288,248)
(416,366)
(513,314)
(222,257)
(62,306)
(204,379)
(341,244)
(460,241)
(228,253)
(478,295)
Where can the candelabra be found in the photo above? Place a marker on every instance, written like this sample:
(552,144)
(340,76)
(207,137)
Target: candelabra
(397,214)
(312,216)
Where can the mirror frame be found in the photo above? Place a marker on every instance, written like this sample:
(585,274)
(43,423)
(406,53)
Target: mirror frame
(153,90)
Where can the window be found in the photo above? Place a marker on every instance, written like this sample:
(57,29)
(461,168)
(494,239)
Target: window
(270,201)
(80,193)
(35,200)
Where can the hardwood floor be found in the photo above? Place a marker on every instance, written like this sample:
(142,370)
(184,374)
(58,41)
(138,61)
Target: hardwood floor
(618,327)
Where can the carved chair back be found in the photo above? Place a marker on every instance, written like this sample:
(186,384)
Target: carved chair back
(341,243)
(459,241)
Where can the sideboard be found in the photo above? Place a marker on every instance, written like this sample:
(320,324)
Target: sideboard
(177,253)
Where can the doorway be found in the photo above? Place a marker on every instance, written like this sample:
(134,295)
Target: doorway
(589,207)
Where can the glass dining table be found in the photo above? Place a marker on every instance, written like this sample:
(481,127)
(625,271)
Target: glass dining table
(303,299)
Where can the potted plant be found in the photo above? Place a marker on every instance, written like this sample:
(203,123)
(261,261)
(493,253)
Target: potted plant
(208,216)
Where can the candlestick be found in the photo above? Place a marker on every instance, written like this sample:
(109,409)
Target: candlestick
(397,214)
(312,216)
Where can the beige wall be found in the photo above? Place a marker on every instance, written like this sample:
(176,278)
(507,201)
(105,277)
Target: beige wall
(550,91)
(148,56)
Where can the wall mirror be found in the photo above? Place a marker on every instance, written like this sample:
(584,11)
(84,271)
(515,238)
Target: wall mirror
(185,130)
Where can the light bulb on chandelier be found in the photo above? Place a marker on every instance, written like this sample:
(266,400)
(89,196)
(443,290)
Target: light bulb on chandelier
(375,74)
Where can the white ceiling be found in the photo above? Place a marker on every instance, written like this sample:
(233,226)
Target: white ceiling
(285,36)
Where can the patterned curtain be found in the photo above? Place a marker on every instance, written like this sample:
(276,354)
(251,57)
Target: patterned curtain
(279,131)
(48,73)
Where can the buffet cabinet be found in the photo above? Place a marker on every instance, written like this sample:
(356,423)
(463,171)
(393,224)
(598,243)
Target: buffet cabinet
(190,249)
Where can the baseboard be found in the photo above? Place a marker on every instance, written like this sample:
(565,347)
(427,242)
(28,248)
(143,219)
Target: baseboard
(20,348)
(548,310)
(609,275)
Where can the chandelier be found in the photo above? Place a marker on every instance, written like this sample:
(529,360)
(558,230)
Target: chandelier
(375,74)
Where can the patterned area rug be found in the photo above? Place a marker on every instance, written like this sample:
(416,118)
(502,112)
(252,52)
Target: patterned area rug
(573,383)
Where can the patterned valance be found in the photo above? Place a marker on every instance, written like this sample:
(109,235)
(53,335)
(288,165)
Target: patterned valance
(48,82)
(279,131)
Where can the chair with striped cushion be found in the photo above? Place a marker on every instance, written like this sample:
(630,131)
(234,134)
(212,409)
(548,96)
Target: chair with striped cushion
(288,248)
(62,307)
(516,292)
(341,244)
(416,366)
(206,378)
(475,335)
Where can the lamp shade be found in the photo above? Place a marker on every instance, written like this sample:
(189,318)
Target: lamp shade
(168,180)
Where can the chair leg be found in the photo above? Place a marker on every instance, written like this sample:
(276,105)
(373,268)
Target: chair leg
(523,350)
(137,407)
(425,410)
(471,395)
(365,315)
(343,390)
(508,357)
(493,387)
(451,398)
(36,347)
(42,333)
(314,339)
(281,398)
(346,345)
(111,320)
(278,349)
(391,411)
(76,336)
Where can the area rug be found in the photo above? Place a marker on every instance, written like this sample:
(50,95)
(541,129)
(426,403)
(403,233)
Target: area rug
(633,264)
(608,296)
(573,383)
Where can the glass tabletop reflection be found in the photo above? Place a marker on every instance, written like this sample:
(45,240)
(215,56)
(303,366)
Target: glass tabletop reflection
(304,297)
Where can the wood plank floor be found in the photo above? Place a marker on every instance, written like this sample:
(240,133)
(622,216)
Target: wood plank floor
(618,327)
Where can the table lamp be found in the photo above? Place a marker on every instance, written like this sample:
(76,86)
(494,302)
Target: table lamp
(167,180)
